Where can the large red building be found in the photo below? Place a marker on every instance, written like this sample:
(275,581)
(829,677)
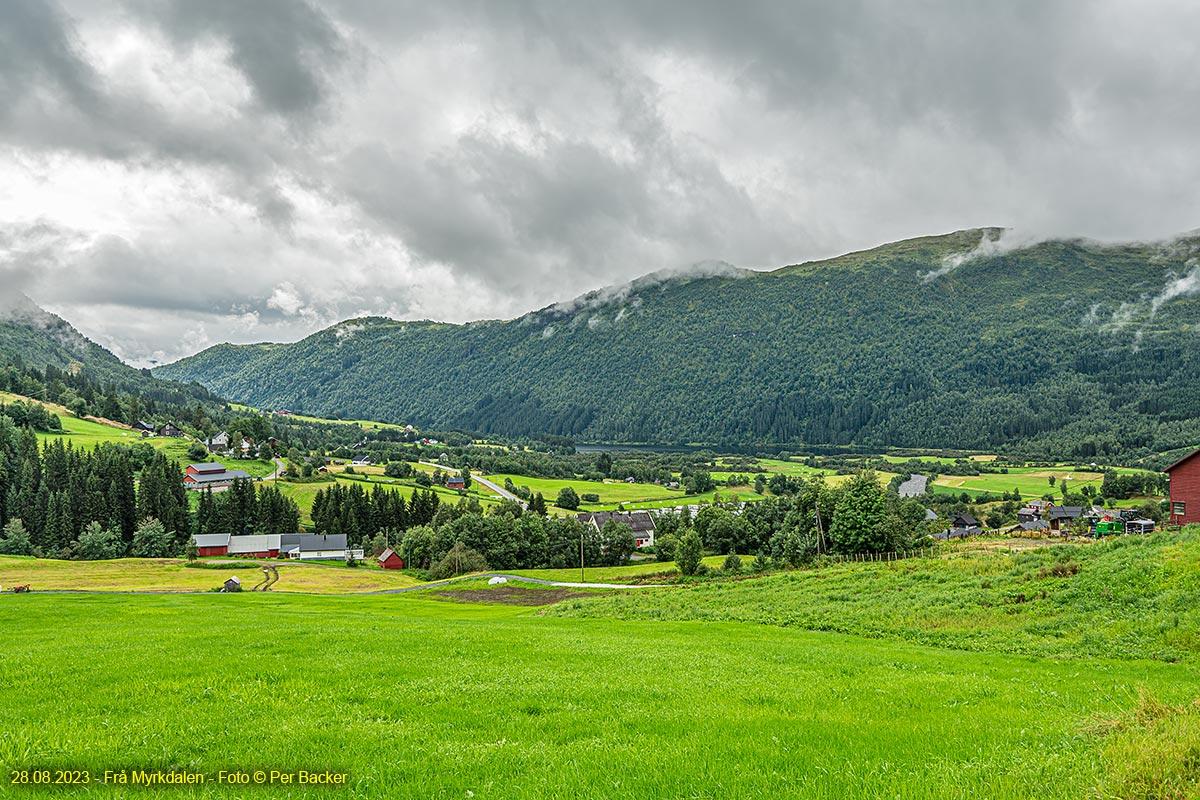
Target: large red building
(1185,489)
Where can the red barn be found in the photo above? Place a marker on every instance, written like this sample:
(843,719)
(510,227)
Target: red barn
(390,559)
(212,544)
(1185,489)
(456,482)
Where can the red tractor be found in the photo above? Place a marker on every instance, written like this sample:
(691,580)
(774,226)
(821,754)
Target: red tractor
(21,589)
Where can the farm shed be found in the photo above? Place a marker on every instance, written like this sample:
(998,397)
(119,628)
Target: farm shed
(455,482)
(212,544)
(390,559)
(1063,515)
(214,475)
(1185,489)
(255,546)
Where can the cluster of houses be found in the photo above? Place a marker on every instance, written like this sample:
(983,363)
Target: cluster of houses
(296,546)
(1043,515)
(169,430)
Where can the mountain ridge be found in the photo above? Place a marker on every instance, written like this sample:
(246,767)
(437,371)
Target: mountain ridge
(1059,347)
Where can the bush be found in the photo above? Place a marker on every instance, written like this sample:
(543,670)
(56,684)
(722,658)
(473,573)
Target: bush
(589,497)
(398,469)
(96,544)
(459,561)
(197,452)
(664,546)
(689,553)
(15,541)
(152,540)
(567,498)
(733,564)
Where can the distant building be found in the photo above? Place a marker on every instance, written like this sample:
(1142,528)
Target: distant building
(307,546)
(143,426)
(1029,514)
(456,482)
(640,522)
(210,475)
(1185,489)
(212,544)
(170,430)
(390,559)
(218,443)
(261,545)
(963,521)
(1063,516)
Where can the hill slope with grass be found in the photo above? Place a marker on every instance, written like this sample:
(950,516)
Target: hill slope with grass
(1130,597)
(1065,348)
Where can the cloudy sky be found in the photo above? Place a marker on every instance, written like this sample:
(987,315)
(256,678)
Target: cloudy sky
(175,174)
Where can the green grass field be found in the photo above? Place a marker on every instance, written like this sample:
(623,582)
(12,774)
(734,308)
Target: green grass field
(1031,482)
(418,697)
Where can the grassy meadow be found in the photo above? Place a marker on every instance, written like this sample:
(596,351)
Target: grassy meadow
(172,575)
(925,678)
(414,696)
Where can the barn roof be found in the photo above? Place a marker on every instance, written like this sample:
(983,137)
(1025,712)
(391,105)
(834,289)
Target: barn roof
(386,554)
(211,540)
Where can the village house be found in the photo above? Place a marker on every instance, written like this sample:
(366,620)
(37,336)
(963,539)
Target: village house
(1064,516)
(390,559)
(455,482)
(143,427)
(1185,489)
(170,430)
(640,522)
(218,443)
(306,546)
(211,475)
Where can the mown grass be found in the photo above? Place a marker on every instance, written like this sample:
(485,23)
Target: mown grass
(172,575)
(431,699)
(1132,597)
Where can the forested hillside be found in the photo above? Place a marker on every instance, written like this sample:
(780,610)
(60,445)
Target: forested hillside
(1065,348)
(32,338)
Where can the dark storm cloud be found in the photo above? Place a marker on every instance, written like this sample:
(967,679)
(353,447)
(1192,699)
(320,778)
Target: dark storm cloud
(285,48)
(469,158)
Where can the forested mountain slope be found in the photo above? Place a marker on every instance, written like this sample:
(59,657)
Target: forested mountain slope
(33,337)
(1067,348)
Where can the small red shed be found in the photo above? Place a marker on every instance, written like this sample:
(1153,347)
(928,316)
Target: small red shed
(390,559)
(1185,489)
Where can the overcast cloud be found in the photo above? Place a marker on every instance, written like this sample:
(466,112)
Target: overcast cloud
(174,174)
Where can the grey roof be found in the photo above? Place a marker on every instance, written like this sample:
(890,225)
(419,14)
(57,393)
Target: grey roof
(1066,512)
(219,477)
(930,515)
(914,486)
(211,540)
(207,466)
(1032,525)
(638,521)
(964,520)
(386,554)
(308,542)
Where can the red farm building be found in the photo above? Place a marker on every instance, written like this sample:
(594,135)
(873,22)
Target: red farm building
(1185,489)
(390,559)
(212,544)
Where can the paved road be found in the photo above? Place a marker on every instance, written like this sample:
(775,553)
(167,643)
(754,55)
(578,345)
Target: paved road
(500,490)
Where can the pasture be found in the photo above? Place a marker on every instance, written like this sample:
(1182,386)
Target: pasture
(172,575)
(416,696)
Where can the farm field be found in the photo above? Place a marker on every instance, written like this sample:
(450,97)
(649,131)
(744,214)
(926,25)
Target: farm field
(1031,482)
(170,575)
(413,696)
(614,493)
